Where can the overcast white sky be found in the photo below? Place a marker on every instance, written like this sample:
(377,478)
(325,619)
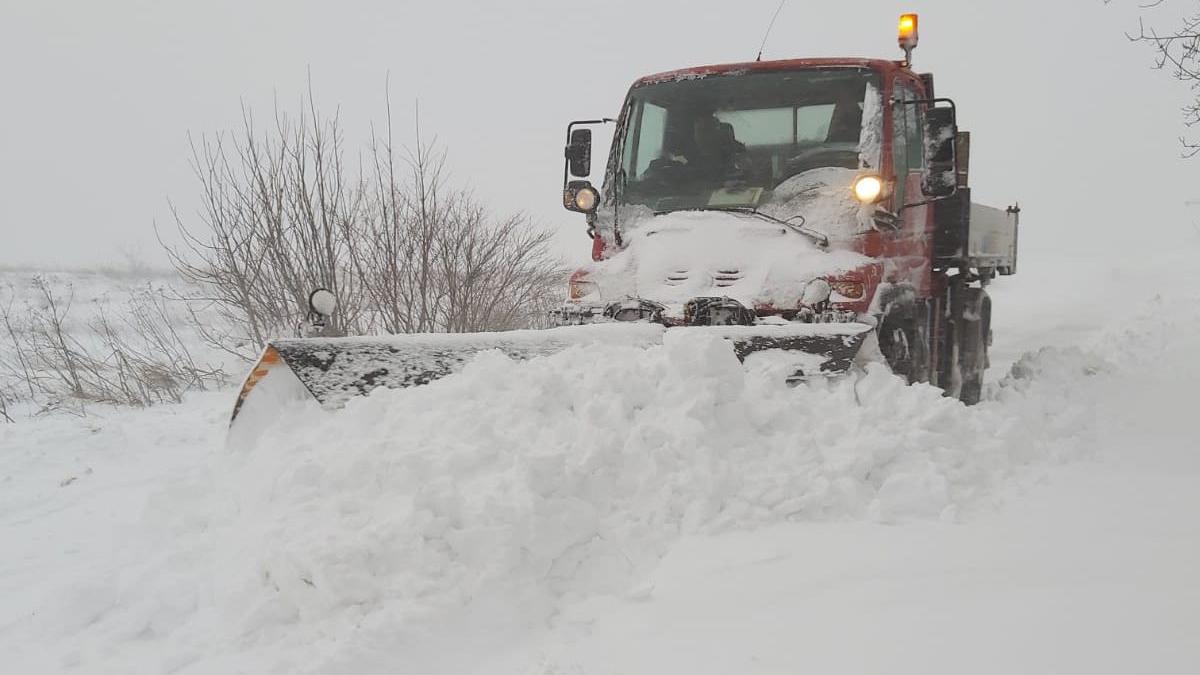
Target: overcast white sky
(97,99)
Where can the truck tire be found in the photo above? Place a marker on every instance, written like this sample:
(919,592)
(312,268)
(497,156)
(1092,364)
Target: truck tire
(973,334)
(971,390)
(947,348)
(900,342)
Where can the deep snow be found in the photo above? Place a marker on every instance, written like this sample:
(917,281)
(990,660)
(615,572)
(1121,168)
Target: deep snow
(619,510)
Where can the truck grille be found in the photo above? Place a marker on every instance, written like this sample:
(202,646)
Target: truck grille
(721,278)
(677,278)
(724,278)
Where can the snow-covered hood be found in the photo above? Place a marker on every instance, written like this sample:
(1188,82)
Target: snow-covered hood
(690,254)
(674,257)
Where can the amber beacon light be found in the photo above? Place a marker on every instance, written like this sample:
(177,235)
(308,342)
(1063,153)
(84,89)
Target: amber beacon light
(908,35)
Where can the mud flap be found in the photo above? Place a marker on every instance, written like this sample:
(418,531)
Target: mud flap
(334,370)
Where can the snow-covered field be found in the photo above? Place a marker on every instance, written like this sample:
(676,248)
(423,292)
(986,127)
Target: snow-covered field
(630,511)
(130,333)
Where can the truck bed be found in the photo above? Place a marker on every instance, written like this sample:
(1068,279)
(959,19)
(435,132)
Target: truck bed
(974,236)
(992,238)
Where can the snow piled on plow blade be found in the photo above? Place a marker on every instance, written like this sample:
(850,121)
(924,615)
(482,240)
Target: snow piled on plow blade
(516,486)
(335,370)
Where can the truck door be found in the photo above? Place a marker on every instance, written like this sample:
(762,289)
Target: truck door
(908,245)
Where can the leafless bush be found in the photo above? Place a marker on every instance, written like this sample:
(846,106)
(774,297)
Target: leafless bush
(1178,52)
(146,359)
(495,276)
(4,397)
(276,207)
(402,250)
(432,259)
(54,352)
(135,358)
(16,367)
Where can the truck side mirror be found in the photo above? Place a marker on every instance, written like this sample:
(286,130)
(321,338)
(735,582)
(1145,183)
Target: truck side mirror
(579,153)
(941,164)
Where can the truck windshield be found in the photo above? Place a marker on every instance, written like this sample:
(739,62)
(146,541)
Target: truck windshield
(728,140)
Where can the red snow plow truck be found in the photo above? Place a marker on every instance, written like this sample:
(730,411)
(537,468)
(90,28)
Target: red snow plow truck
(819,206)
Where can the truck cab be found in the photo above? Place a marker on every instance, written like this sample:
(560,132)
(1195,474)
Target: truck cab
(814,190)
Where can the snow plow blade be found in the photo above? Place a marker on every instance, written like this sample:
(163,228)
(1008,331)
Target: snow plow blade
(334,370)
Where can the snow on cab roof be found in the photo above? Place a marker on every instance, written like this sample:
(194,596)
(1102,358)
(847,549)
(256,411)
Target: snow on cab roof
(696,72)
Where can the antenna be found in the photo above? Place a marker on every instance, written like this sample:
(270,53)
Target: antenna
(769,27)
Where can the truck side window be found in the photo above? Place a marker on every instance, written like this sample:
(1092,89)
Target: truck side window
(648,145)
(900,152)
(908,147)
(916,136)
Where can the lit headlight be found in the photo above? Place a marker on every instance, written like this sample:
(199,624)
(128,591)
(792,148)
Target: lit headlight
(868,189)
(586,199)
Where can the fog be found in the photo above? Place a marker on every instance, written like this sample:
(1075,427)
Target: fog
(1067,116)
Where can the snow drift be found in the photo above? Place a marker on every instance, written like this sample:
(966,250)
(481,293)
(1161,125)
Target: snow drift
(572,475)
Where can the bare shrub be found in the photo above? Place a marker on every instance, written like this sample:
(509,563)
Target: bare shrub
(497,276)
(146,360)
(275,209)
(15,368)
(56,354)
(403,250)
(433,259)
(4,399)
(394,244)
(135,357)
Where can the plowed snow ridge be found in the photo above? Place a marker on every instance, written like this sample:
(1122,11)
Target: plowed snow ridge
(573,474)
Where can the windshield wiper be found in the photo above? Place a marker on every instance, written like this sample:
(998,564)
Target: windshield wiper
(820,238)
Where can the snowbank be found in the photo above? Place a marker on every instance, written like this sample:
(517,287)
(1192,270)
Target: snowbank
(572,475)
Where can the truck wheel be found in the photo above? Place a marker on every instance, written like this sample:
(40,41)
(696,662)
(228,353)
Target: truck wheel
(973,343)
(971,391)
(899,341)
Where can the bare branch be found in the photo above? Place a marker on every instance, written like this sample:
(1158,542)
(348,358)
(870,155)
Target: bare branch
(1178,52)
(401,249)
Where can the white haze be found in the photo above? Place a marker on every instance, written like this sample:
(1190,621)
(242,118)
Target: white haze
(99,97)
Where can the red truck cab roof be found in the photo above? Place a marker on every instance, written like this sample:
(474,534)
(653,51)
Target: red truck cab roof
(881,65)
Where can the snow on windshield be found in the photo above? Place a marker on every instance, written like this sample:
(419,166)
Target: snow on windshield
(822,200)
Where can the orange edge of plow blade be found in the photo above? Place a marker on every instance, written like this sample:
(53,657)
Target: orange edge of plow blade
(269,359)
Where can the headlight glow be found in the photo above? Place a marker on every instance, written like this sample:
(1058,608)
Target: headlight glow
(586,199)
(868,189)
